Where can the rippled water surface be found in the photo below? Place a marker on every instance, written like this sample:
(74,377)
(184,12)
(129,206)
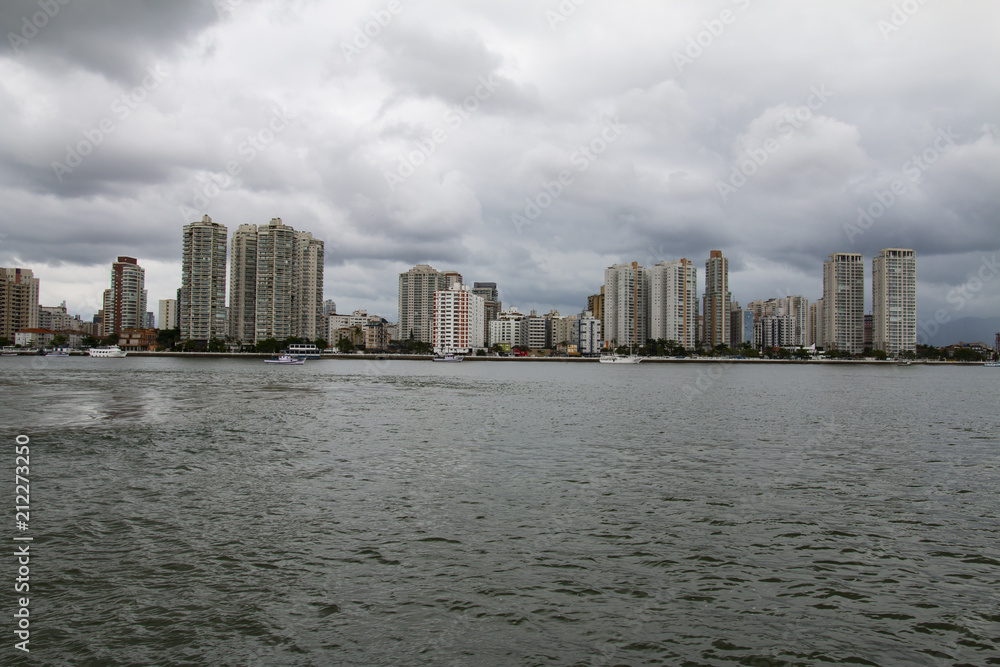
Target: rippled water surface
(226,512)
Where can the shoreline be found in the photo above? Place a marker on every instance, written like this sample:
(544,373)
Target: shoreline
(552,359)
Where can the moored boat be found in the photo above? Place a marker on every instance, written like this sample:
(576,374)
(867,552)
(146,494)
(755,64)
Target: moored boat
(620,359)
(449,357)
(107,352)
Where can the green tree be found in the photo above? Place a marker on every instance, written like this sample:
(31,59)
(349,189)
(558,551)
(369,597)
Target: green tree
(5,342)
(216,345)
(322,344)
(879,354)
(420,347)
(59,340)
(168,338)
(268,346)
(110,339)
(90,341)
(344,346)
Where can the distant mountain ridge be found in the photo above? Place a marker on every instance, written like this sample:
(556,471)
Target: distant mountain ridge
(963,329)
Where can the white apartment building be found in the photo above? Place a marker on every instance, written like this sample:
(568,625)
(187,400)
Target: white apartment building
(457,321)
(168,314)
(673,302)
(796,333)
(587,334)
(506,329)
(894,301)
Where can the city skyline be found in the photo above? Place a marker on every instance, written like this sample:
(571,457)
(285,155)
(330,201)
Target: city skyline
(465,139)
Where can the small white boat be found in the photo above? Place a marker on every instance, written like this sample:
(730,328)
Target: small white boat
(286,360)
(10,351)
(107,352)
(57,354)
(992,364)
(620,359)
(449,357)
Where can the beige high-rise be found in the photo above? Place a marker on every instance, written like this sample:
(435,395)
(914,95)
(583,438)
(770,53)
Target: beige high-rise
(894,301)
(844,302)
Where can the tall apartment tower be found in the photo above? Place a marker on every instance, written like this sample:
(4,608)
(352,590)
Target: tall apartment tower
(716,303)
(844,302)
(457,321)
(416,301)
(307,299)
(18,301)
(203,281)
(491,303)
(894,301)
(276,284)
(125,300)
(595,304)
(243,285)
(626,305)
(673,302)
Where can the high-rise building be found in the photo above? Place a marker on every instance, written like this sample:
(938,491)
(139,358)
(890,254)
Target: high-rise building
(626,305)
(491,302)
(673,302)
(18,301)
(715,306)
(894,301)
(329,307)
(595,304)
(868,332)
(307,297)
(811,328)
(203,282)
(243,285)
(844,302)
(416,301)
(276,284)
(457,322)
(125,300)
(168,314)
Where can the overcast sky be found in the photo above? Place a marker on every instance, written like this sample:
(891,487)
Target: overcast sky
(531,143)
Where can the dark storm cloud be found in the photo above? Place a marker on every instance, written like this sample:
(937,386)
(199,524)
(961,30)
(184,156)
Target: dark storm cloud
(115,38)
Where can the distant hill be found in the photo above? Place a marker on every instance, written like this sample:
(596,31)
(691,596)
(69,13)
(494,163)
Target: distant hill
(966,330)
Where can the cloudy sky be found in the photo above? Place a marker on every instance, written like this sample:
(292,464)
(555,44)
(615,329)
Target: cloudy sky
(531,142)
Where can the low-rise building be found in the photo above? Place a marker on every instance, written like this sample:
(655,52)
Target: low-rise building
(137,340)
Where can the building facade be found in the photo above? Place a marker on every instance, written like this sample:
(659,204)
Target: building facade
(416,301)
(894,301)
(844,302)
(457,322)
(168,314)
(587,334)
(125,300)
(276,284)
(716,303)
(673,302)
(626,305)
(203,282)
